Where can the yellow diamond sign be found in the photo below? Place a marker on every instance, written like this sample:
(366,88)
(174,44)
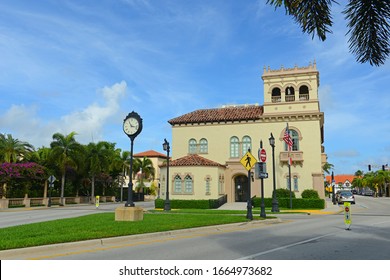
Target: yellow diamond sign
(248,161)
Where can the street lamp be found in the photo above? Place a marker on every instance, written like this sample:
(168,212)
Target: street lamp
(167,205)
(275,203)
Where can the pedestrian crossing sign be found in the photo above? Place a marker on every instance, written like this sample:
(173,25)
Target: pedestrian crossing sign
(248,161)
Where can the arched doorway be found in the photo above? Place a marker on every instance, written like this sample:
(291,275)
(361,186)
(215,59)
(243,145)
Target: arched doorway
(241,188)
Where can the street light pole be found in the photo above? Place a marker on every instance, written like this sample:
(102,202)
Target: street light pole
(275,203)
(167,205)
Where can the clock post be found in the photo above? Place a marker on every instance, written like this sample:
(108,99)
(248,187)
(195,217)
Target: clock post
(132,126)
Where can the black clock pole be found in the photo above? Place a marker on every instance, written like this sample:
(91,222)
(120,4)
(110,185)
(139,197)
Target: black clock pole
(130,202)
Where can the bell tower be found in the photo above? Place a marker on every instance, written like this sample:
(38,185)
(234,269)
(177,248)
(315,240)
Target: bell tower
(291,90)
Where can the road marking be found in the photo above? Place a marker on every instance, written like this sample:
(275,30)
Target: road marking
(286,246)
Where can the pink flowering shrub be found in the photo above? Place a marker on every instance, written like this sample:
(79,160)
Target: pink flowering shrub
(27,170)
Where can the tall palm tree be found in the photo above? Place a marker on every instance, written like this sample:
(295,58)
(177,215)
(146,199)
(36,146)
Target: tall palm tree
(12,149)
(64,149)
(97,161)
(145,166)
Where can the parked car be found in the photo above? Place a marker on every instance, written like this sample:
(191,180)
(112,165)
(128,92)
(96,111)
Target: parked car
(345,196)
(368,192)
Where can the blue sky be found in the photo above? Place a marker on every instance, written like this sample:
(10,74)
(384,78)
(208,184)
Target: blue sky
(84,65)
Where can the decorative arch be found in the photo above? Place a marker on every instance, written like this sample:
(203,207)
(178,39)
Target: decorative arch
(276,94)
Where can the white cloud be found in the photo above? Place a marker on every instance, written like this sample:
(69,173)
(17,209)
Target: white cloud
(24,123)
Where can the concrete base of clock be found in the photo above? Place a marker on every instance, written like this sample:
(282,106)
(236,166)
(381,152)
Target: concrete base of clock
(124,213)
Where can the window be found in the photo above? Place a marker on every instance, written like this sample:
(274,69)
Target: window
(246,144)
(192,146)
(295,137)
(234,145)
(303,93)
(290,94)
(294,182)
(203,146)
(177,184)
(276,95)
(188,184)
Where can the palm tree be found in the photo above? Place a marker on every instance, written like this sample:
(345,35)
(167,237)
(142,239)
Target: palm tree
(327,167)
(97,160)
(145,166)
(368,23)
(13,150)
(64,148)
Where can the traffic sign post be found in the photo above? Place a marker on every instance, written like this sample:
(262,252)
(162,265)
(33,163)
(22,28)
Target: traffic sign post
(262,155)
(248,161)
(51,180)
(347,215)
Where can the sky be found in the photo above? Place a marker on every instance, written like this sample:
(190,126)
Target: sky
(84,65)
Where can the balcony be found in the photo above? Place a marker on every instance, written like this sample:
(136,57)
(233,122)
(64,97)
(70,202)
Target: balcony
(296,156)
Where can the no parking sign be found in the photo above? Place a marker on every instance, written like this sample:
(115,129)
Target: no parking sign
(347,214)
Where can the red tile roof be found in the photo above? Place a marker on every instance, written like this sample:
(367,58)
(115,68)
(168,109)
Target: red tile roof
(233,113)
(193,160)
(341,178)
(150,154)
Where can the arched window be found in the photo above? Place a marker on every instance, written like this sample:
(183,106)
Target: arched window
(246,144)
(289,94)
(192,146)
(177,188)
(234,145)
(276,95)
(188,184)
(295,137)
(203,146)
(303,93)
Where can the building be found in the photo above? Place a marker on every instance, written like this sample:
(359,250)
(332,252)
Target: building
(209,144)
(342,181)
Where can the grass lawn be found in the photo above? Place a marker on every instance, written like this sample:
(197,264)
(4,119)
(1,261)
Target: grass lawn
(104,225)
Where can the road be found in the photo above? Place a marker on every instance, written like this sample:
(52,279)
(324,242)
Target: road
(293,237)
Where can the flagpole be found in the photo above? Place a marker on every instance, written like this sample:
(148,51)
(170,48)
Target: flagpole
(289,178)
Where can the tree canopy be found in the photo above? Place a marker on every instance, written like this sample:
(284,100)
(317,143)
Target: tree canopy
(368,22)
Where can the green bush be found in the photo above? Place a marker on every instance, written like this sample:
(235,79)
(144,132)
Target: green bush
(284,193)
(310,194)
(188,204)
(297,203)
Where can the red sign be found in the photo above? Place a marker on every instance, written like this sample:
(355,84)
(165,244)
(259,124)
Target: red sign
(346,209)
(262,155)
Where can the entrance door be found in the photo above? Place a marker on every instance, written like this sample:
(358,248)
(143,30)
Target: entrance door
(241,188)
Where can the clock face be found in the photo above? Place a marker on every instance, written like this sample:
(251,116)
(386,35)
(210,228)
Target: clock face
(131,126)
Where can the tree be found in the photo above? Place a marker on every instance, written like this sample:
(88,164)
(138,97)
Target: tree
(146,169)
(327,167)
(64,149)
(13,150)
(97,161)
(368,23)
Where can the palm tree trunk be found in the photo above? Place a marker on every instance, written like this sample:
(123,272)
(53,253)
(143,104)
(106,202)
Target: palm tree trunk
(62,189)
(93,189)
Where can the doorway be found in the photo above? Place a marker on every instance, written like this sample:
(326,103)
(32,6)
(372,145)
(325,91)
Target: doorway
(241,188)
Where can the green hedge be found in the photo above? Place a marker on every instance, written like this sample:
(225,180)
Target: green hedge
(188,204)
(297,203)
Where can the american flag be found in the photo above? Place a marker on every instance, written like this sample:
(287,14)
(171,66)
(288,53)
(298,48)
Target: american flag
(287,138)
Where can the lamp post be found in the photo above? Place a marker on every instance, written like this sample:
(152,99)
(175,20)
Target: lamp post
(333,194)
(167,205)
(275,203)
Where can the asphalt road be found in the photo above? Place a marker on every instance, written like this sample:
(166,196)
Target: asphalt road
(291,237)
